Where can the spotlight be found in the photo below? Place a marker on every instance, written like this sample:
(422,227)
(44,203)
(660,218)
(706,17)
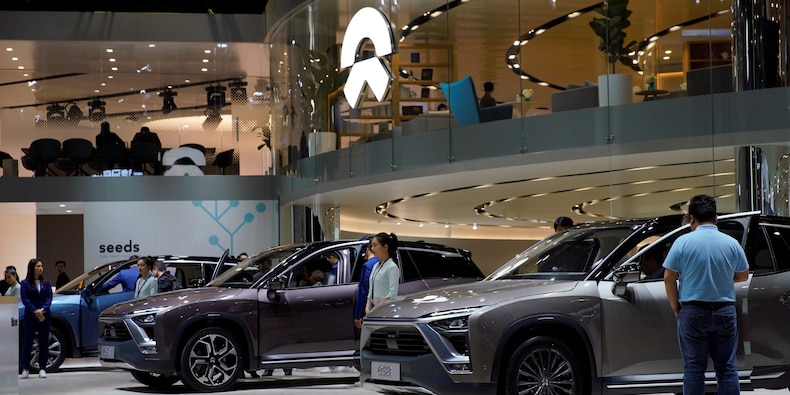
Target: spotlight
(238,92)
(74,115)
(56,112)
(96,110)
(213,118)
(168,104)
(215,98)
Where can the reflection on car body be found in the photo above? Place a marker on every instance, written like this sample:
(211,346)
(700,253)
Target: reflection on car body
(607,329)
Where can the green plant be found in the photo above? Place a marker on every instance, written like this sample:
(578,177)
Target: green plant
(610,28)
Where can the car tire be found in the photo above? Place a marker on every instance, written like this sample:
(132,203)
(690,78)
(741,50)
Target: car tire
(544,365)
(153,380)
(57,351)
(211,360)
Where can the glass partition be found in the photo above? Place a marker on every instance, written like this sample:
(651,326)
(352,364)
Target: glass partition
(647,119)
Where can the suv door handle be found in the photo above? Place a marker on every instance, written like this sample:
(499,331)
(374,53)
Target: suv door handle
(337,303)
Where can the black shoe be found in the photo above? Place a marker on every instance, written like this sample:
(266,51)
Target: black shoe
(254,374)
(267,372)
(288,372)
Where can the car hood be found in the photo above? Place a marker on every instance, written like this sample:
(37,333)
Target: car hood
(477,294)
(170,299)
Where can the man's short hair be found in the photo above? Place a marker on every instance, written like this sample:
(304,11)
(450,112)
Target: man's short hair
(61,261)
(488,86)
(703,208)
(159,265)
(564,222)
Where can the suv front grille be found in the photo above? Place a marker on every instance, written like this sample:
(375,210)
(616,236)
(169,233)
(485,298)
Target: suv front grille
(116,332)
(398,341)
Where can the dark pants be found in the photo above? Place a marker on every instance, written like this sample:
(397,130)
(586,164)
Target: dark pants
(32,326)
(703,331)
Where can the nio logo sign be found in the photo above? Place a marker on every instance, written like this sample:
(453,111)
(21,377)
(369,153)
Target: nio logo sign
(367,23)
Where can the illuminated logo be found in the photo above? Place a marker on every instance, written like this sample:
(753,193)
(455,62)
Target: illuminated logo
(367,23)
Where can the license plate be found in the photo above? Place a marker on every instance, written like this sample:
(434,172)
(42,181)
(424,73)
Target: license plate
(107,352)
(385,371)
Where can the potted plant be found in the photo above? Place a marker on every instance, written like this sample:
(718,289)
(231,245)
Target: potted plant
(610,28)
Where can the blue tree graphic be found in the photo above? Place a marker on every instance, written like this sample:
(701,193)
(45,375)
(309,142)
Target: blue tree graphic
(220,209)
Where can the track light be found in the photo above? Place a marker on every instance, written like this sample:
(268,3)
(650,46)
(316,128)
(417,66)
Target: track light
(238,92)
(168,104)
(213,118)
(96,110)
(74,114)
(56,112)
(215,98)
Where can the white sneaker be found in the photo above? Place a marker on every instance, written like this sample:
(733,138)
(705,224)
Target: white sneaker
(42,374)
(25,374)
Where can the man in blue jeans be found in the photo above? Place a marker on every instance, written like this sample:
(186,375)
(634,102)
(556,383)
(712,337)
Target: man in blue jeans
(707,263)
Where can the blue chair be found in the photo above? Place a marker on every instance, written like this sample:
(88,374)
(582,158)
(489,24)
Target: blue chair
(463,103)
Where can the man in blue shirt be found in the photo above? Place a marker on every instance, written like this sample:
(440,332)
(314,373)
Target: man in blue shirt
(707,263)
(126,277)
(364,286)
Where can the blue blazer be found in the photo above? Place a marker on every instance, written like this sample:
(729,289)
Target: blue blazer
(127,277)
(33,299)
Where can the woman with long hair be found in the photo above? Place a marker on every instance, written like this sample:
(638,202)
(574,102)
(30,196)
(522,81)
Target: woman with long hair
(36,295)
(385,277)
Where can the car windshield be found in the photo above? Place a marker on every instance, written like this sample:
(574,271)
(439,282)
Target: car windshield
(79,283)
(264,265)
(571,253)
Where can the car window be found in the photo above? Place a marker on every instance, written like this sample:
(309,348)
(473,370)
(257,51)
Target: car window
(779,237)
(322,269)
(572,252)
(418,264)
(74,286)
(244,273)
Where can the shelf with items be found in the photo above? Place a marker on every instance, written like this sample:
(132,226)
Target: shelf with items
(703,54)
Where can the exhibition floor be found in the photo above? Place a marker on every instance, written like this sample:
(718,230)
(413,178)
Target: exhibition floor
(87,377)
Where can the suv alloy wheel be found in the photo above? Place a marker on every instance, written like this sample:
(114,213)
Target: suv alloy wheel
(211,360)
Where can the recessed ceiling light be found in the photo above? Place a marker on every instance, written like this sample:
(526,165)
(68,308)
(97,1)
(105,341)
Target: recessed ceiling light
(9,49)
(109,50)
(61,205)
(666,58)
(21,67)
(669,51)
(111,59)
(206,51)
(114,69)
(96,91)
(68,211)
(110,77)
(14,58)
(103,84)
(204,69)
(206,60)
(151,45)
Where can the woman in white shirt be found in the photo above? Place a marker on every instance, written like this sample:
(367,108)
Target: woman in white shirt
(12,278)
(385,276)
(146,283)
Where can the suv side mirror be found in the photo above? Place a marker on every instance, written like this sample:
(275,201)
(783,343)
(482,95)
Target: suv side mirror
(271,292)
(623,276)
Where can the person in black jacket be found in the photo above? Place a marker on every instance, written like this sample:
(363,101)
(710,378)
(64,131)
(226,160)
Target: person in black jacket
(106,136)
(63,278)
(164,280)
(145,135)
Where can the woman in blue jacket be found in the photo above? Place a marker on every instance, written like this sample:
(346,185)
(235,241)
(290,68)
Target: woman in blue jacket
(36,295)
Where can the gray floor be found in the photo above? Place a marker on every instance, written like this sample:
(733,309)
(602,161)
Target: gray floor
(87,377)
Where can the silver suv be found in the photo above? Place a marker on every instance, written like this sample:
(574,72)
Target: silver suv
(575,314)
